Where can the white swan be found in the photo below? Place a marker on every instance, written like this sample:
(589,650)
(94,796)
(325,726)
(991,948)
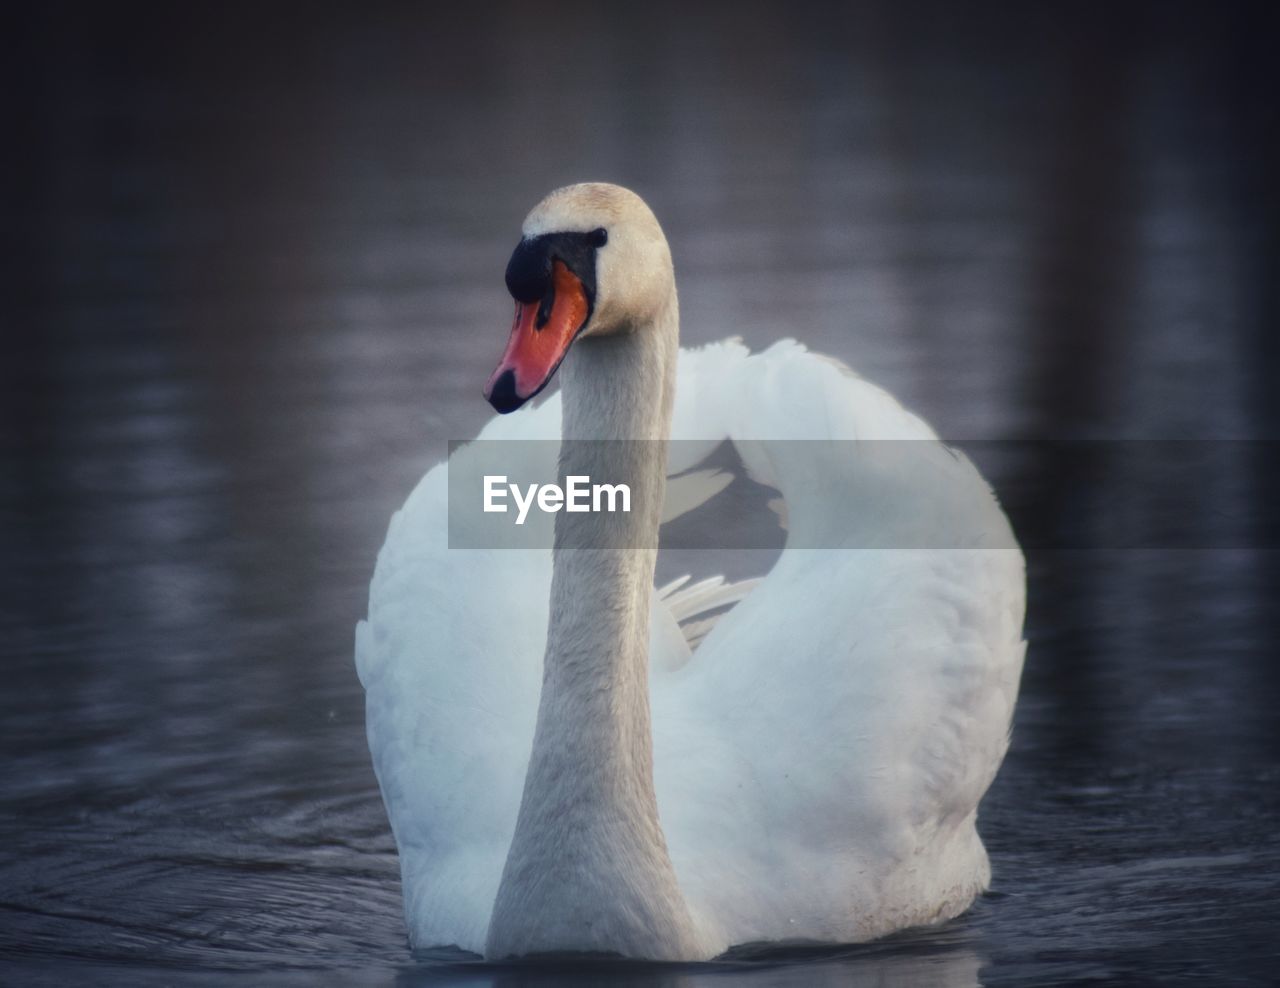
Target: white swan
(811,771)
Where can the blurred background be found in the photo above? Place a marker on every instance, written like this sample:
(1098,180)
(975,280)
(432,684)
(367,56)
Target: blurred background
(253,261)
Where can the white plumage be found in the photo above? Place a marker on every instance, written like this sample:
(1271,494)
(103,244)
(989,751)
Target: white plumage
(819,756)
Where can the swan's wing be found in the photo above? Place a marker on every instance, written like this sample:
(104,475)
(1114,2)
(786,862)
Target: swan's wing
(451,661)
(698,608)
(790,743)
(820,758)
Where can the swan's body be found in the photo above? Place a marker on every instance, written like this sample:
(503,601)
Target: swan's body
(815,765)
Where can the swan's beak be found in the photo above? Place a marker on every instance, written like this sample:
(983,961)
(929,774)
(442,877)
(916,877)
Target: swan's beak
(540,338)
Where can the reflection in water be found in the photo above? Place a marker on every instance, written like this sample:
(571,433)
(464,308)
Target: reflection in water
(903,962)
(943,958)
(257,285)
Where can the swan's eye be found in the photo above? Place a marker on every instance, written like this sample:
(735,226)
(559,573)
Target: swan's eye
(598,237)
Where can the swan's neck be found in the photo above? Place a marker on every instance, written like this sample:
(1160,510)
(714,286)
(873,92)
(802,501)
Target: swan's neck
(588,868)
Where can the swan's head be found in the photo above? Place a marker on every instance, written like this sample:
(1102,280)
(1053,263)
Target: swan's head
(592,261)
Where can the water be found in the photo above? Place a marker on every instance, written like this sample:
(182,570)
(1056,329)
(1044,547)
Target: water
(255,287)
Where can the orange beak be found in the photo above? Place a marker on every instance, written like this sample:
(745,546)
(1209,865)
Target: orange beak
(540,337)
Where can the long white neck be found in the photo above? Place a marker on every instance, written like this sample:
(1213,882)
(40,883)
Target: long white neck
(588,868)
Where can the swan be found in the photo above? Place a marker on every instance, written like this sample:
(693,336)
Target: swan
(564,771)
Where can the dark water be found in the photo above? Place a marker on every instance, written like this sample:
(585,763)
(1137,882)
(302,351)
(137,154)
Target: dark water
(253,285)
